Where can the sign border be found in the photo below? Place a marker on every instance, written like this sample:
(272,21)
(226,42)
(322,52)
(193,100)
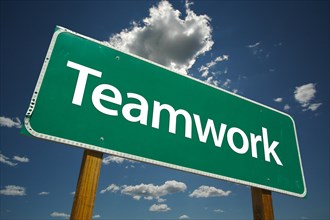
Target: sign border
(30,130)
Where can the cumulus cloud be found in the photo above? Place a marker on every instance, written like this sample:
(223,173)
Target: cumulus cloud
(208,191)
(278,99)
(110,188)
(12,190)
(8,122)
(6,160)
(304,95)
(21,159)
(150,191)
(60,215)
(184,217)
(167,39)
(159,208)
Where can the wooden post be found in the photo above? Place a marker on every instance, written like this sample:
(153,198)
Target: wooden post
(84,198)
(262,204)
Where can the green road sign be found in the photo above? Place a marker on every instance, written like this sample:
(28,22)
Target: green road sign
(93,96)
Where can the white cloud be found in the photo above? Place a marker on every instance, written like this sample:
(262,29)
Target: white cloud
(5,160)
(21,159)
(313,107)
(226,83)
(107,160)
(224,57)
(304,95)
(286,107)
(12,190)
(160,200)
(43,193)
(208,191)
(218,210)
(184,217)
(110,188)
(159,208)
(167,39)
(254,45)
(72,193)
(96,216)
(8,122)
(60,215)
(212,81)
(278,99)
(259,50)
(205,69)
(119,160)
(235,91)
(150,191)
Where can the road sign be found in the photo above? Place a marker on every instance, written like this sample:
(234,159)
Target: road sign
(95,97)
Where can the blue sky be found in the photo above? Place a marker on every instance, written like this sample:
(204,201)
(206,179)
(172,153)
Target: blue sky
(273,52)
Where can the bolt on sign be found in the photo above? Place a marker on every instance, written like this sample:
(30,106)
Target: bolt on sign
(93,96)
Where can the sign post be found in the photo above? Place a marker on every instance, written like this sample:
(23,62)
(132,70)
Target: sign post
(85,194)
(262,204)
